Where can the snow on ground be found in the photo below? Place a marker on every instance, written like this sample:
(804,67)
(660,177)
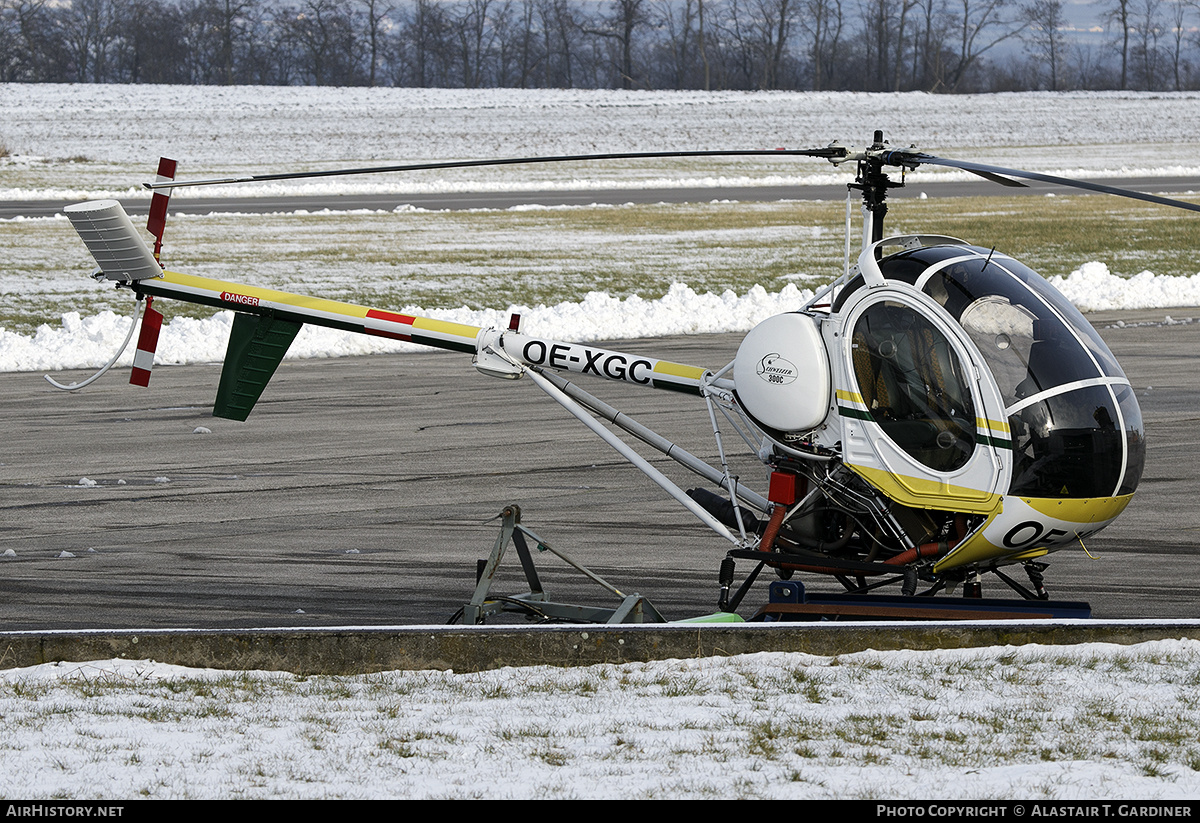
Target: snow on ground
(1031,722)
(211,130)
(1092,287)
(87,141)
(88,342)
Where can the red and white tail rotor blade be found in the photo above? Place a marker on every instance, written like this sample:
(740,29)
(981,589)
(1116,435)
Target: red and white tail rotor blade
(156,224)
(143,358)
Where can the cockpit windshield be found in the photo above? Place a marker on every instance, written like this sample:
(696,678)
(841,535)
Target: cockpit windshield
(1076,427)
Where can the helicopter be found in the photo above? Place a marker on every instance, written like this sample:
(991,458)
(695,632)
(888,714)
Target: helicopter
(936,413)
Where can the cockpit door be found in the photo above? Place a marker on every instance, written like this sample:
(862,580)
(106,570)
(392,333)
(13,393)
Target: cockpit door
(922,418)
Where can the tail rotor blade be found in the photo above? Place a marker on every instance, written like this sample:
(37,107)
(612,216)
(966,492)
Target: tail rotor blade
(156,223)
(143,358)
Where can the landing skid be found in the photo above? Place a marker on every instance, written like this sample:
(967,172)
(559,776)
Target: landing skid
(789,601)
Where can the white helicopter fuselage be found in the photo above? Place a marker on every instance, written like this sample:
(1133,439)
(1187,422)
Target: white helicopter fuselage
(959,382)
(934,412)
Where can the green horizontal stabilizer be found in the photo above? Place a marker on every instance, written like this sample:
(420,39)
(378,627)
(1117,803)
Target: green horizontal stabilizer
(256,345)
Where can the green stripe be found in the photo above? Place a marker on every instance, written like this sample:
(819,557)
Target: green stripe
(437,343)
(858,414)
(998,442)
(980,437)
(683,388)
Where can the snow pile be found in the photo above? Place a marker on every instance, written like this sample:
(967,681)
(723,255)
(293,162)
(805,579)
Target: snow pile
(86,343)
(80,343)
(1055,723)
(218,131)
(1092,287)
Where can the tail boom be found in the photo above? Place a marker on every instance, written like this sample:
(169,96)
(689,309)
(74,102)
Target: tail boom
(240,297)
(522,350)
(268,321)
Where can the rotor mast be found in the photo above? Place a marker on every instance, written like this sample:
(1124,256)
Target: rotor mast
(874,183)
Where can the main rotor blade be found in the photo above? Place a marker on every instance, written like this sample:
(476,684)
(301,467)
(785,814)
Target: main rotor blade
(828,153)
(918,158)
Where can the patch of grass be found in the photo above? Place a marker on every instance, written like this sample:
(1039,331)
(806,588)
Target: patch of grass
(491,259)
(763,739)
(1054,235)
(510,733)
(1154,770)
(398,746)
(863,730)
(552,756)
(682,686)
(495,691)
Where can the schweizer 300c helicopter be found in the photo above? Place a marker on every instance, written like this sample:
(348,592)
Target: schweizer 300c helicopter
(936,413)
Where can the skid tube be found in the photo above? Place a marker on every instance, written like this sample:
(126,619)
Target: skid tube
(791,603)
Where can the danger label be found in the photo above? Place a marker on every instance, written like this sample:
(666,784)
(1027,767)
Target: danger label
(242,299)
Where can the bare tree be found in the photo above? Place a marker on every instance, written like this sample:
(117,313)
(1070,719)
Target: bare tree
(758,33)
(822,21)
(517,44)
(561,33)
(89,30)
(31,45)
(982,25)
(778,19)
(1179,25)
(426,44)
(678,22)
(885,38)
(323,32)
(375,18)
(618,26)
(474,36)
(1119,14)
(1147,31)
(1045,36)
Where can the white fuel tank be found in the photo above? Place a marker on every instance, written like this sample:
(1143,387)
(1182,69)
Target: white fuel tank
(782,373)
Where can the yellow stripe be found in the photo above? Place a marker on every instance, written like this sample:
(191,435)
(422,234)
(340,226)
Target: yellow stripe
(976,549)
(1088,510)
(853,397)
(994,425)
(445,327)
(922,493)
(678,370)
(1077,512)
(316,304)
(282,297)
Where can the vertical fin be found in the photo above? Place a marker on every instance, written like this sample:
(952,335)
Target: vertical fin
(256,345)
(143,358)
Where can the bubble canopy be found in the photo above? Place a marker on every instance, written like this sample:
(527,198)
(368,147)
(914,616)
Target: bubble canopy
(1076,427)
